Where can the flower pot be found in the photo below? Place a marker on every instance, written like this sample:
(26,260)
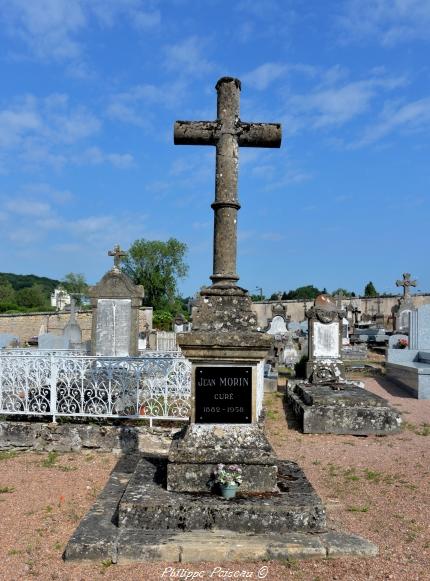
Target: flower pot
(228,490)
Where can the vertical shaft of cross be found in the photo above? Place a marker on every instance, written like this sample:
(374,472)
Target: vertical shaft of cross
(227,133)
(226,203)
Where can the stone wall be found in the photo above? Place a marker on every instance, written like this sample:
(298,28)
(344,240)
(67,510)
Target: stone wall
(26,325)
(296,309)
(74,437)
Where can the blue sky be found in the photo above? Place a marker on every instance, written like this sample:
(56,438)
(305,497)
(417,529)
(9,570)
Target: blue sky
(90,90)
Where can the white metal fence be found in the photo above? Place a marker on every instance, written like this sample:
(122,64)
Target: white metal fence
(60,384)
(156,386)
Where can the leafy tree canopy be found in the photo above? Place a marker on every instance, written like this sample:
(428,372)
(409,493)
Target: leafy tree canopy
(75,283)
(7,292)
(303,292)
(157,266)
(344,292)
(370,290)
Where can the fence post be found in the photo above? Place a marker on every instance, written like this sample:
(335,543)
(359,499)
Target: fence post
(53,387)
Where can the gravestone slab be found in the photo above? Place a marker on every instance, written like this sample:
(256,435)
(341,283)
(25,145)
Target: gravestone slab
(8,340)
(419,331)
(52,342)
(115,301)
(277,326)
(113,328)
(321,410)
(325,340)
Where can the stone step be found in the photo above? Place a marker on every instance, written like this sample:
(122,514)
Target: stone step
(147,505)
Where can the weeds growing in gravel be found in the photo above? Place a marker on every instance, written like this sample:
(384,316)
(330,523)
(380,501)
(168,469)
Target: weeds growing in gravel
(6,489)
(7,454)
(50,460)
(358,508)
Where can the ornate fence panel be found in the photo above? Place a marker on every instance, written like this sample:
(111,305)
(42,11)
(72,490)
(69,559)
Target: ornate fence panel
(109,387)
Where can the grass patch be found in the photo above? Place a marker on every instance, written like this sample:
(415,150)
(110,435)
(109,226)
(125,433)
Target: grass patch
(6,489)
(358,508)
(350,475)
(8,454)
(50,460)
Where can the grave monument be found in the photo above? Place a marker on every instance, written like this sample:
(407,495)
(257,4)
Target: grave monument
(327,402)
(405,306)
(168,506)
(115,301)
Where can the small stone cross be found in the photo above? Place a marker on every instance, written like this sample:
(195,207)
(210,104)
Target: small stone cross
(406,283)
(118,255)
(227,133)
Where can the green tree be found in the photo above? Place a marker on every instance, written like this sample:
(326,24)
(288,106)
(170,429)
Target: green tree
(343,292)
(75,282)
(303,292)
(370,290)
(157,266)
(7,293)
(33,296)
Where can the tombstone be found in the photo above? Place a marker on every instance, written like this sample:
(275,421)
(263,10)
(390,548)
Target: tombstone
(327,402)
(405,306)
(345,331)
(226,351)
(115,301)
(179,323)
(8,340)
(51,342)
(419,331)
(277,326)
(325,340)
(72,331)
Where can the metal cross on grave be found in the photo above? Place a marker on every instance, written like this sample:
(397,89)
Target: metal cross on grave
(406,283)
(227,133)
(118,255)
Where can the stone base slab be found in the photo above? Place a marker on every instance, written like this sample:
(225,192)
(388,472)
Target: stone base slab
(199,477)
(147,505)
(196,451)
(99,538)
(353,410)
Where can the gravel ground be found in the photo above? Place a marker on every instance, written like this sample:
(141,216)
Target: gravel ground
(377,487)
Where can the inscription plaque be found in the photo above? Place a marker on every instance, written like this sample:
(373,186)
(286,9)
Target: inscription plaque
(223,395)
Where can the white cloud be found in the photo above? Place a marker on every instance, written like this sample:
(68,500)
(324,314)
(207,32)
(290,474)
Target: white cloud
(188,57)
(51,28)
(409,117)
(95,156)
(389,22)
(28,207)
(132,106)
(337,105)
(264,75)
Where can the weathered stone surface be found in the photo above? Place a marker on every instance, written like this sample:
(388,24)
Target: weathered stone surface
(343,544)
(96,536)
(202,444)
(147,505)
(235,345)
(322,410)
(44,436)
(227,133)
(199,477)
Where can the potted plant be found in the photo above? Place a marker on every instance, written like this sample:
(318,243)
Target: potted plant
(228,479)
(402,343)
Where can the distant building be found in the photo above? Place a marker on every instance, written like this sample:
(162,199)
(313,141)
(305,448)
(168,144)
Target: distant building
(60,299)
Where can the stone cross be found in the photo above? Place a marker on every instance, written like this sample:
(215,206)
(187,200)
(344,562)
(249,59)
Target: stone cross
(406,283)
(227,133)
(118,255)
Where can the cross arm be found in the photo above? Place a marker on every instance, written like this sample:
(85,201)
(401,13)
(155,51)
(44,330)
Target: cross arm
(259,134)
(195,132)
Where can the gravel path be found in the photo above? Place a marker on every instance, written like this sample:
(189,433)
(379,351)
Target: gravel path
(378,487)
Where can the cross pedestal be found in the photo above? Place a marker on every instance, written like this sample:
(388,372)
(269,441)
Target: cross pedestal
(224,346)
